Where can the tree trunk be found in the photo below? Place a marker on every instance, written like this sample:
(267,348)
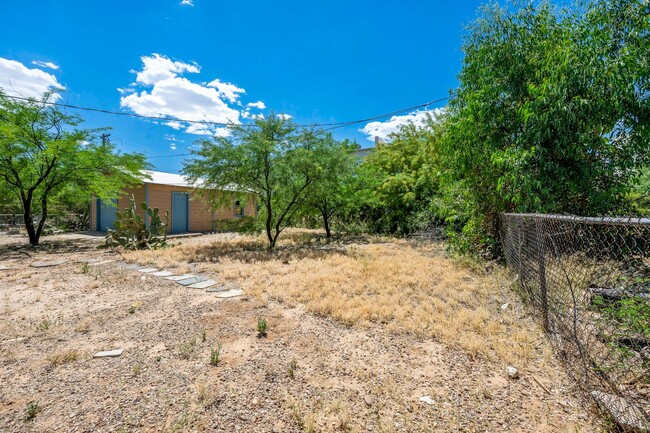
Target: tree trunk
(41,223)
(29,222)
(326,224)
(29,225)
(269,234)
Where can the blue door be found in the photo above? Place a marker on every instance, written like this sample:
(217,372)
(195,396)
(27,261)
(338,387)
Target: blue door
(106,214)
(180,212)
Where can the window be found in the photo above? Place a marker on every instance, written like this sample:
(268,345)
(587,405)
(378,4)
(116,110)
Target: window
(239,209)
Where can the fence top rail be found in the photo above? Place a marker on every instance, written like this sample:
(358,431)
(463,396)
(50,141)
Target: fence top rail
(622,221)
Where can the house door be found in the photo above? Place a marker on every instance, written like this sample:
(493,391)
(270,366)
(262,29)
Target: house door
(106,214)
(180,212)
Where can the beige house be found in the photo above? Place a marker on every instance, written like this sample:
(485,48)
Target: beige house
(167,191)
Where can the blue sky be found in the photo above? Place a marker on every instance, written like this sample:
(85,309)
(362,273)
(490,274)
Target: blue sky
(317,61)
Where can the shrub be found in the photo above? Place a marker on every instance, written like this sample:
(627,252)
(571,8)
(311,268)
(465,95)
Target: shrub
(261,327)
(215,355)
(33,408)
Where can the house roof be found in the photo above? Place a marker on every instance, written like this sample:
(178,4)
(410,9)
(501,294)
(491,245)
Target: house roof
(162,178)
(173,179)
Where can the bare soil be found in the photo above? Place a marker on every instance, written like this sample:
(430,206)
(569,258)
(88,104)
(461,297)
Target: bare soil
(317,369)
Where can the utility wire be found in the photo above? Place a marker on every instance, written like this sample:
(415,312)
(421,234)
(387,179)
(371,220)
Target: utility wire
(122,113)
(168,156)
(381,116)
(330,126)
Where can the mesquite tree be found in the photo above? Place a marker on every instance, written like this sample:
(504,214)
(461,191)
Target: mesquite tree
(43,153)
(272,160)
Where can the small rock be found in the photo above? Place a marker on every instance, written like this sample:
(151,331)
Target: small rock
(255,402)
(426,399)
(513,373)
(505,306)
(369,400)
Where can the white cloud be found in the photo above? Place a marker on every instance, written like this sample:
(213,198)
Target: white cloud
(17,79)
(187,3)
(258,104)
(160,90)
(384,129)
(227,90)
(170,137)
(285,116)
(174,124)
(157,68)
(49,65)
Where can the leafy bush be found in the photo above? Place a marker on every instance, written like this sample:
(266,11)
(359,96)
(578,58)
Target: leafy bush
(131,231)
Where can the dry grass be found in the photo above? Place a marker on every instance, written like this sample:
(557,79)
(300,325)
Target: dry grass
(64,357)
(393,283)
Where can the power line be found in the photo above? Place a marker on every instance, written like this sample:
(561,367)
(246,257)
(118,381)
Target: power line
(330,126)
(122,113)
(394,113)
(168,156)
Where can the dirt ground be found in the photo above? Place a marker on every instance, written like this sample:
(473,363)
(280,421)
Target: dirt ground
(358,332)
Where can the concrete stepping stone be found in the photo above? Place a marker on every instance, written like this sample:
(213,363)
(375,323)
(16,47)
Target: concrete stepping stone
(217,289)
(4,268)
(47,264)
(133,267)
(162,274)
(202,284)
(109,353)
(190,281)
(180,277)
(148,270)
(230,293)
(103,262)
(89,261)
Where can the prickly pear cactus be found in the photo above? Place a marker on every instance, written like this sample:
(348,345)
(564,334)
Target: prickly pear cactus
(132,233)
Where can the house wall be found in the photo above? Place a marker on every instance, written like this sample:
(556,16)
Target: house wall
(201,218)
(93,215)
(139,196)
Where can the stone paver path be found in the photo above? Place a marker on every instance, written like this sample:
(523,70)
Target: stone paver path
(202,284)
(48,263)
(108,353)
(148,270)
(180,277)
(191,281)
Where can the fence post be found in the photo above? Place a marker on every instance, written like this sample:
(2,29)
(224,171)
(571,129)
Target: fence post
(542,273)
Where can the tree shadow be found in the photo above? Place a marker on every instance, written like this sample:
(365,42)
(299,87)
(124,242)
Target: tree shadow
(291,246)
(12,251)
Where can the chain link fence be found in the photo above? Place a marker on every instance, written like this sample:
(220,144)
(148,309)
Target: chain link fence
(56,222)
(589,278)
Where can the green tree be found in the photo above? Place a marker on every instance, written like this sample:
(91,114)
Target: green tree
(271,160)
(552,112)
(405,171)
(640,192)
(337,186)
(43,153)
